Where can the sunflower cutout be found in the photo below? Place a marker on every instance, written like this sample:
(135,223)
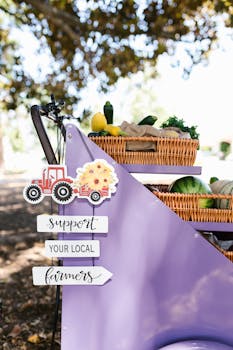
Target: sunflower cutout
(95,181)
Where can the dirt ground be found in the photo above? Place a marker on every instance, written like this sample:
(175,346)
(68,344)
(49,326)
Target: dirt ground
(27,311)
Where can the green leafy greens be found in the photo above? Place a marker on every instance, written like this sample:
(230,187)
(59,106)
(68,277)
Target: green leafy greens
(179,123)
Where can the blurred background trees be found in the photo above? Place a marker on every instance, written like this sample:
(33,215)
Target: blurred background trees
(100,39)
(64,46)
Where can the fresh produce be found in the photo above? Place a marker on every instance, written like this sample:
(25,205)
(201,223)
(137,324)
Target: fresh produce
(179,123)
(100,127)
(171,133)
(222,187)
(100,133)
(189,184)
(98,122)
(217,185)
(93,134)
(104,133)
(108,112)
(114,130)
(192,184)
(149,120)
(213,179)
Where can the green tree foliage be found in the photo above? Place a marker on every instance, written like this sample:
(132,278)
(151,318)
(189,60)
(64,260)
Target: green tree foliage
(104,39)
(225,149)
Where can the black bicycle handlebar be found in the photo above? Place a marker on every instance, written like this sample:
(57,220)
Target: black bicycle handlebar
(42,134)
(51,111)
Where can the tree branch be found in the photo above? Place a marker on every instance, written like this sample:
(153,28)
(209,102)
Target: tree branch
(12,14)
(61,19)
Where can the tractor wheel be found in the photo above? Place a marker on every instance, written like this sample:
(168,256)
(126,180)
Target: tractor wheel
(95,196)
(33,194)
(63,193)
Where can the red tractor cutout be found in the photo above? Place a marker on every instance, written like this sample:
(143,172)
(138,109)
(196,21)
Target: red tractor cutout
(95,181)
(54,182)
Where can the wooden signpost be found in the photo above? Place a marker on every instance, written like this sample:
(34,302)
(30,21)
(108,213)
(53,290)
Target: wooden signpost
(72,248)
(70,275)
(72,224)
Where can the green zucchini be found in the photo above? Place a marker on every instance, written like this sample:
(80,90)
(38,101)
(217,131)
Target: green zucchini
(108,112)
(93,134)
(104,133)
(149,120)
(99,133)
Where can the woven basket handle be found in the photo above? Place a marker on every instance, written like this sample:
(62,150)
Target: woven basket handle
(141,145)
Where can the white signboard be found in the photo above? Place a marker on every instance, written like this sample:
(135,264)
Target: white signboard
(71,248)
(72,224)
(70,275)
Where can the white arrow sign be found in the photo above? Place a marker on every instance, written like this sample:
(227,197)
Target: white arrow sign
(70,275)
(72,248)
(72,224)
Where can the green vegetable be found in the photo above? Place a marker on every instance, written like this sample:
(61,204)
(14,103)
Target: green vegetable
(108,112)
(149,120)
(99,133)
(104,133)
(93,134)
(213,179)
(179,123)
(192,184)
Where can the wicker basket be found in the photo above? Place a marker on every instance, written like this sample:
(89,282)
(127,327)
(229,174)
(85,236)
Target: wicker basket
(229,255)
(164,151)
(187,206)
